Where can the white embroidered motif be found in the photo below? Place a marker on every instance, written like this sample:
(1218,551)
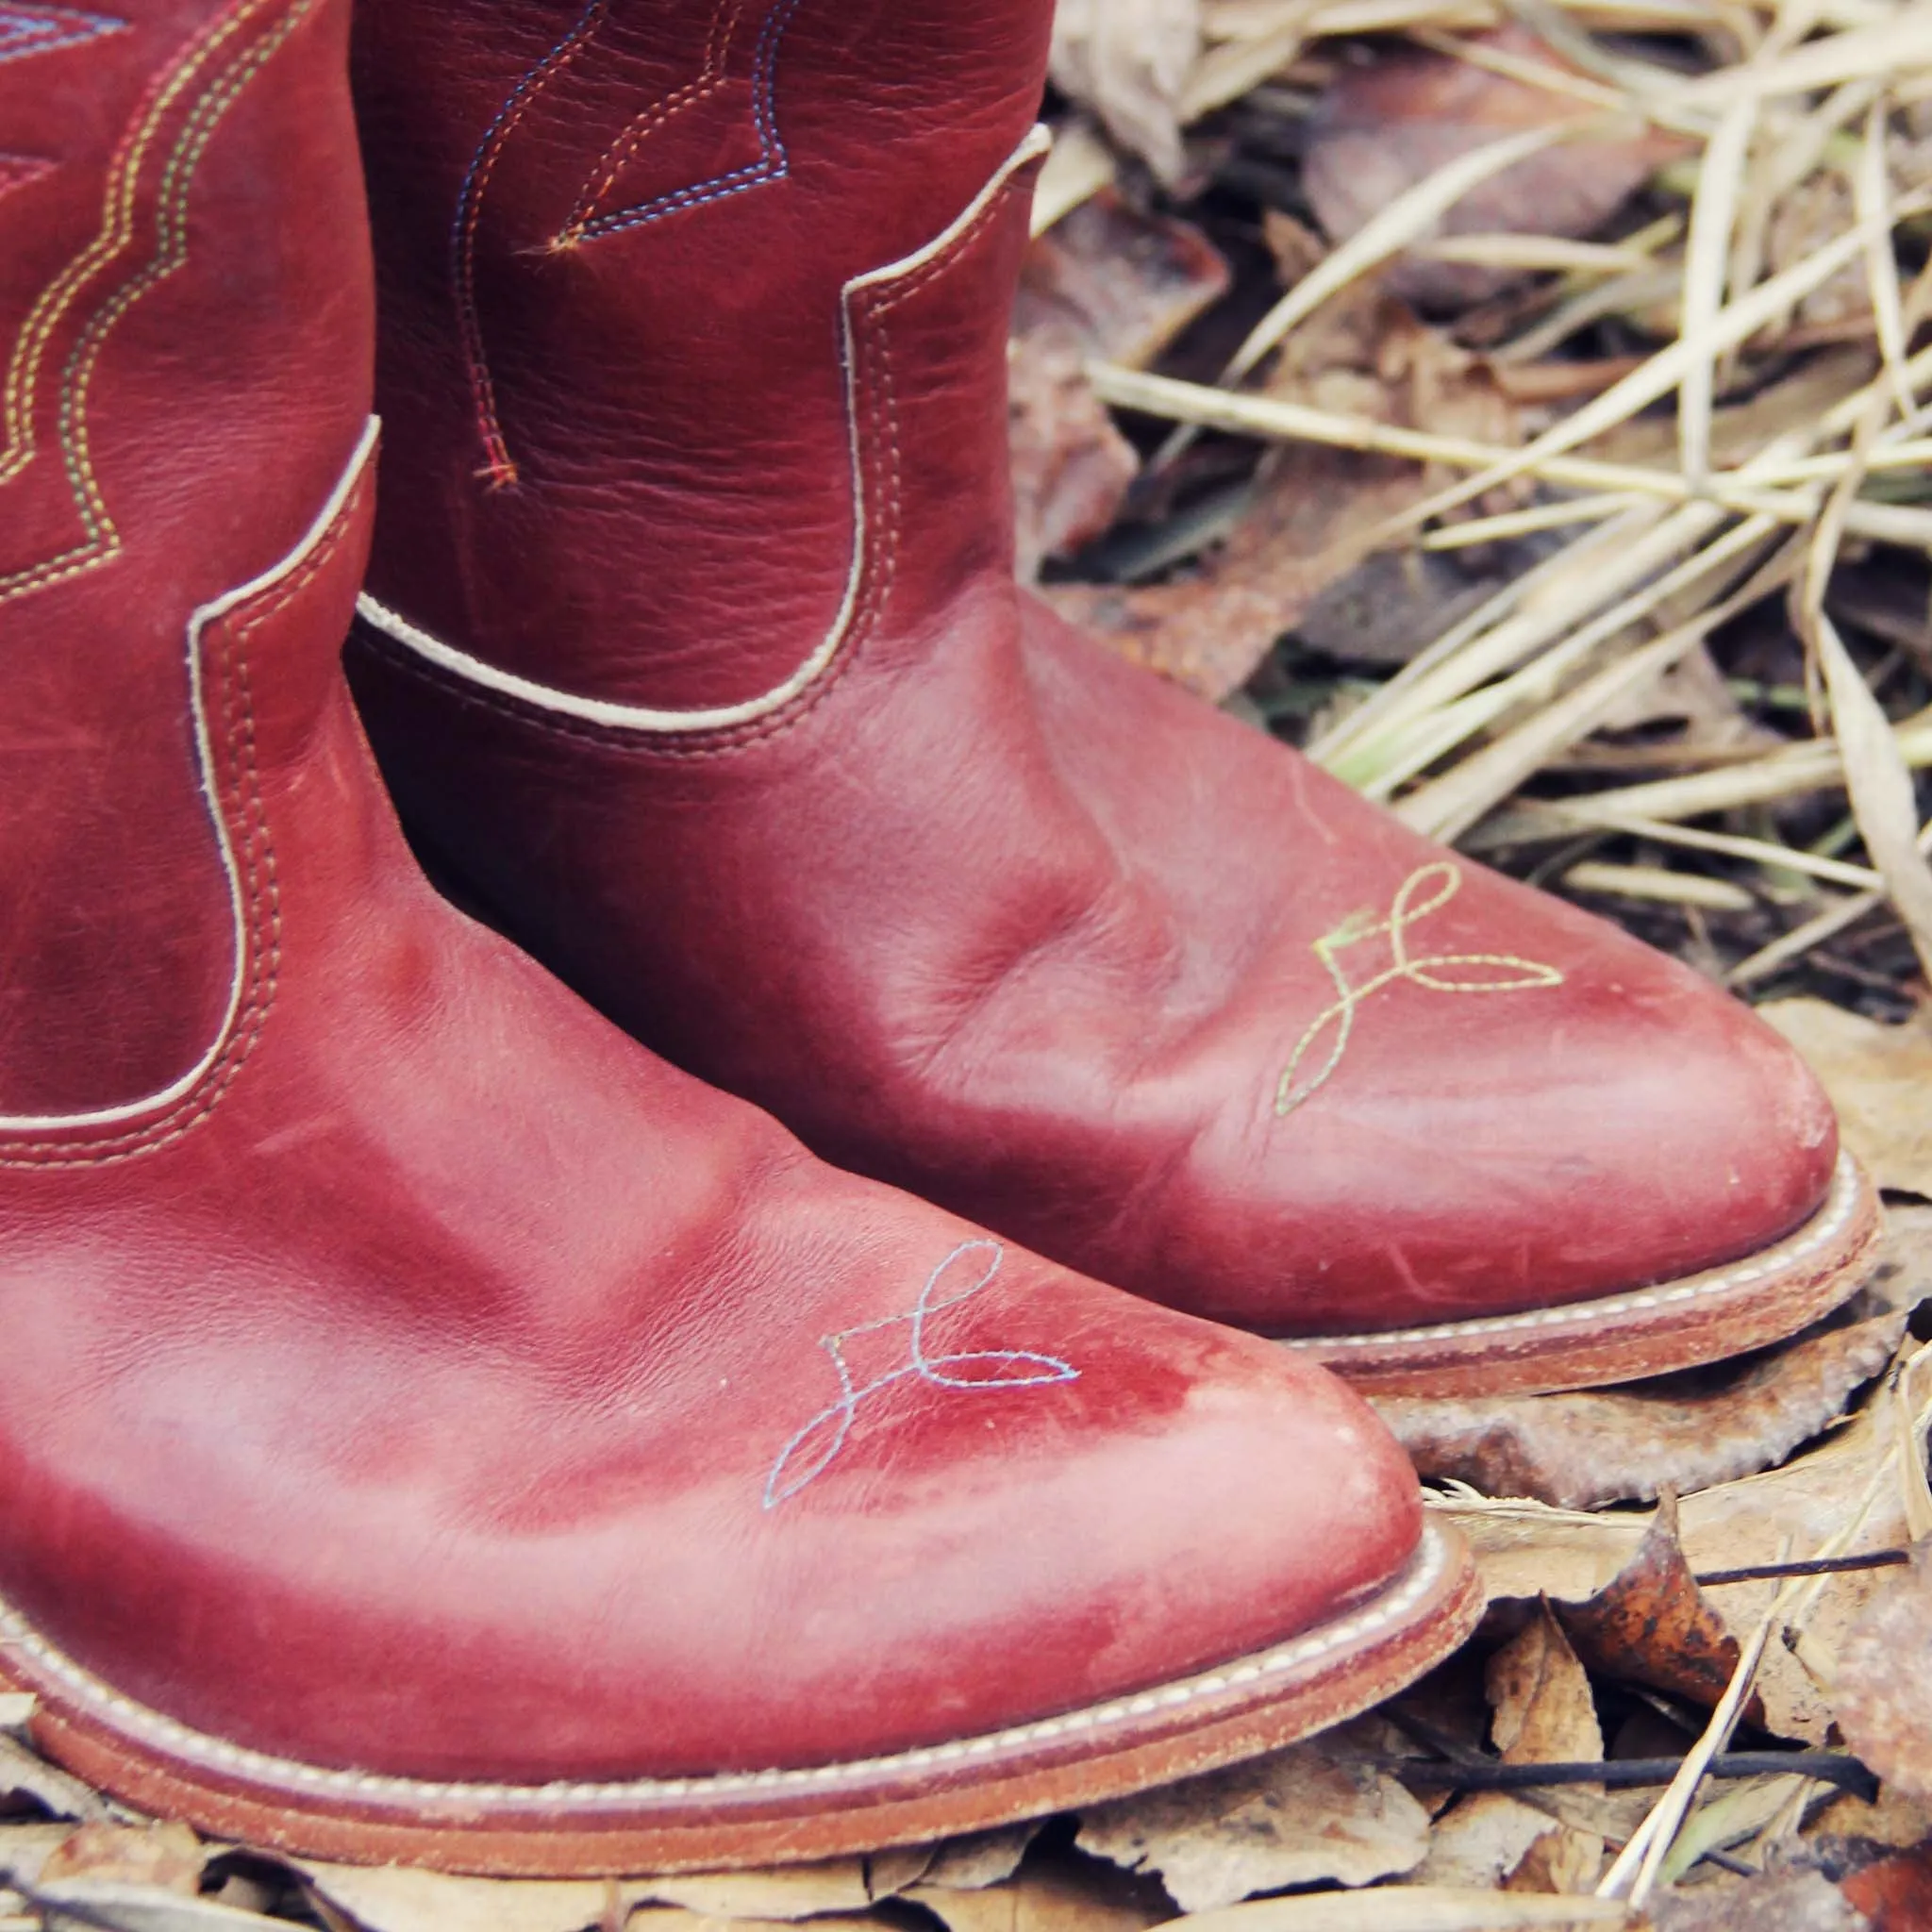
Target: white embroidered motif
(817,1445)
(1440,883)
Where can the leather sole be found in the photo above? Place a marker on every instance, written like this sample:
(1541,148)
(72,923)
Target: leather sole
(1195,1724)
(1649,1331)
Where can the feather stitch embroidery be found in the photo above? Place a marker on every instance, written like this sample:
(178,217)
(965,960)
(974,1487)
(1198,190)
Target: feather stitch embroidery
(817,1445)
(1425,892)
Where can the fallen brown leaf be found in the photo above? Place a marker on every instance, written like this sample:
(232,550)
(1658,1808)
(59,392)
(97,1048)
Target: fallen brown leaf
(1878,1078)
(394,1898)
(1691,692)
(1313,520)
(1650,1624)
(1524,1548)
(25,1848)
(1883,1691)
(168,1856)
(1803,1902)
(84,1904)
(1070,467)
(1062,1894)
(795,1891)
(1392,605)
(1544,1713)
(1896,1894)
(1129,60)
(1308,1815)
(1381,129)
(1107,282)
(1850,1824)
(1124,281)
(1687,1431)
(982,1858)
(399,1899)
(1412,1908)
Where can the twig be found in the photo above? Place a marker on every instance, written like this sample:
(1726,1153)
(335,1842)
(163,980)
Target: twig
(1816,1566)
(1621,1774)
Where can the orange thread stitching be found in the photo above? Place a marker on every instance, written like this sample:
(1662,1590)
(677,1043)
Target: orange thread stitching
(499,468)
(101,540)
(117,217)
(622,151)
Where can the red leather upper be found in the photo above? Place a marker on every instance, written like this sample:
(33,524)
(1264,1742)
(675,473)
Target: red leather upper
(402,1370)
(120,432)
(966,902)
(539,156)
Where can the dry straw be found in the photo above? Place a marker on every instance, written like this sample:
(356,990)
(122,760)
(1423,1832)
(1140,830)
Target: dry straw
(1798,99)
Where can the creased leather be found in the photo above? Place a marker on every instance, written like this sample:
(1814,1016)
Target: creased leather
(400,1370)
(981,913)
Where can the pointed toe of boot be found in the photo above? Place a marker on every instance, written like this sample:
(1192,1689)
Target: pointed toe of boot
(1614,1171)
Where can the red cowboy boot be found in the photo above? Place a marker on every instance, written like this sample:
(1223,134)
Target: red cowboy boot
(693,657)
(430,1427)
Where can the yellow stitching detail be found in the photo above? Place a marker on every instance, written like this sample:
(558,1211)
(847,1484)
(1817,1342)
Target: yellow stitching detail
(116,231)
(1444,881)
(101,540)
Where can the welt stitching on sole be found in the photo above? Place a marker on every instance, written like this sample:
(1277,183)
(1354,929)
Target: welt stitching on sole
(133,1722)
(1824,1229)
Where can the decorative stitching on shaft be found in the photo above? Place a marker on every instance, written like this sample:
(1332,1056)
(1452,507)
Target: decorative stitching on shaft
(584,222)
(725,19)
(497,466)
(773,164)
(254,875)
(873,407)
(101,539)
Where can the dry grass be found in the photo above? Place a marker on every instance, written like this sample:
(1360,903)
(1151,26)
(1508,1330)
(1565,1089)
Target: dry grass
(1482,737)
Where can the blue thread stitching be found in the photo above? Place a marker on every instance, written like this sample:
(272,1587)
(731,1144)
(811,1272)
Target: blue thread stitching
(463,227)
(773,164)
(538,74)
(941,1372)
(28,30)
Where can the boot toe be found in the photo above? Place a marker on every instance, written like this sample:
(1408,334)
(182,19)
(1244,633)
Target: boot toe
(1616,1123)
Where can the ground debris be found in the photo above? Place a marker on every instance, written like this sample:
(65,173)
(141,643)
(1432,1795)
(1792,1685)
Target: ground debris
(1802,1903)
(1651,1624)
(1314,1814)
(1108,280)
(1544,1712)
(1689,1431)
(1384,128)
(1882,1693)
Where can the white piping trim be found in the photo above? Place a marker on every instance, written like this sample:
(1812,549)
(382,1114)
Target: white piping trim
(204,752)
(97,1702)
(1823,1227)
(718,717)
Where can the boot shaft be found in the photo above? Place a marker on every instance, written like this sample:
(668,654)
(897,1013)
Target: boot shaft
(688,304)
(184,332)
